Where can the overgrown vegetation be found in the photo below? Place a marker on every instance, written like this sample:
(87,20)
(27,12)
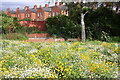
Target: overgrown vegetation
(101,23)
(92,59)
(14,36)
(26,30)
(12,30)
(62,26)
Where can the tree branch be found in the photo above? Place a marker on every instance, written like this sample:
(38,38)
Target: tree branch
(85,13)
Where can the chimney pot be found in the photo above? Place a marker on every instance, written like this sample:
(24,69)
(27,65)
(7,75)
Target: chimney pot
(46,5)
(61,3)
(40,6)
(17,9)
(56,4)
(8,9)
(35,6)
(26,7)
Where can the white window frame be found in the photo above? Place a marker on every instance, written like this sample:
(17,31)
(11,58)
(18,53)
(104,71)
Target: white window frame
(39,14)
(27,15)
(49,14)
(57,13)
(18,15)
(53,13)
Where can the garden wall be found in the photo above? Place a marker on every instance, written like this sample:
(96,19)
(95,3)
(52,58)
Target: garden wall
(39,24)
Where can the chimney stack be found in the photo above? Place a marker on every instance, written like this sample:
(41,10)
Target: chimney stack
(8,9)
(26,7)
(46,5)
(35,6)
(61,3)
(56,4)
(17,9)
(40,6)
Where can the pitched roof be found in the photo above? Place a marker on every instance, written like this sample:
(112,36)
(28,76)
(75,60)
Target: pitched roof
(12,12)
(63,7)
(33,10)
(46,9)
(22,11)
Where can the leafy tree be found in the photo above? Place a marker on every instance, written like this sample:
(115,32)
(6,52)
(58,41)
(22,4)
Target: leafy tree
(100,22)
(7,23)
(11,25)
(74,12)
(63,26)
(79,9)
(101,25)
(80,5)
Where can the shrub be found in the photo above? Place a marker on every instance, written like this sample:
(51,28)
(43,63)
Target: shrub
(63,26)
(101,23)
(14,36)
(28,30)
(115,39)
(26,19)
(8,24)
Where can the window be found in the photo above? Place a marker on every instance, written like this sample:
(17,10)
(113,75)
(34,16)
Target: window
(53,14)
(17,15)
(39,14)
(49,14)
(27,15)
(57,13)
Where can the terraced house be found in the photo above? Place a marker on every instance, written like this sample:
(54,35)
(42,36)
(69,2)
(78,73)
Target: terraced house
(39,13)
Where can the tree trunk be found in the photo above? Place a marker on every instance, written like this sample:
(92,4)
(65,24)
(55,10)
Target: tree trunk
(83,35)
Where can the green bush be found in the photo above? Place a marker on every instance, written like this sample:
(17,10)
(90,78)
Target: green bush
(115,39)
(28,30)
(9,25)
(63,26)
(14,36)
(25,19)
(101,24)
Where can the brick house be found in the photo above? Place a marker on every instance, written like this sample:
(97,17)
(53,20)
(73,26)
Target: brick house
(39,13)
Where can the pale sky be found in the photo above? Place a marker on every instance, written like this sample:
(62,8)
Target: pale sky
(27,0)
(13,4)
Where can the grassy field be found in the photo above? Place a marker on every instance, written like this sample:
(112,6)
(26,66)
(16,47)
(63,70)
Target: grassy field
(93,59)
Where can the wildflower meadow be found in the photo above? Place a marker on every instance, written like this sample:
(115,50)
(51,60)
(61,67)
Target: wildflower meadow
(92,59)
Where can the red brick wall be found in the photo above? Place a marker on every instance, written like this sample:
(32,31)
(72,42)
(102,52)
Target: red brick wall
(39,24)
(46,15)
(22,16)
(28,12)
(55,9)
(38,35)
(33,16)
(42,12)
(12,15)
